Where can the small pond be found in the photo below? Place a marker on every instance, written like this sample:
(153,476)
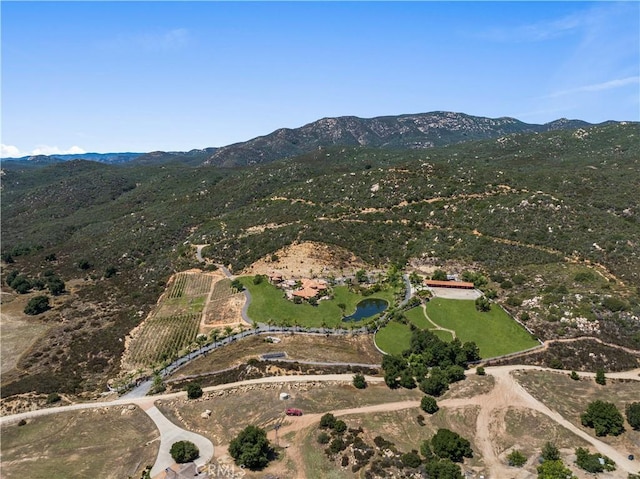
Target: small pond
(366,308)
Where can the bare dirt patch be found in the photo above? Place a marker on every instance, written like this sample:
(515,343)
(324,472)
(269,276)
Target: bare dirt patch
(224,312)
(571,398)
(112,442)
(354,349)
(308,259)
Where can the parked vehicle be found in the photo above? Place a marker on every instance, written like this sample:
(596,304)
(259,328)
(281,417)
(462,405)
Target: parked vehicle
(293,412)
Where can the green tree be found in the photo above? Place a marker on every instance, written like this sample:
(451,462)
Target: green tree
(340,426)
(554,470)
(237,284)
(450,445)
(632,411)
(600,378)
(361,276)
(337,445)
(443,469)
(550,452)
(593,463)
(410,459)
(604,417)
(482,304)
(359,381)
(56,286)
(429,405)
(574,376)
(184,451)
(439,275)
(516,458)
(37,305)
(251,448)
(327,421)
(480,371)
(435,384)
(194,391)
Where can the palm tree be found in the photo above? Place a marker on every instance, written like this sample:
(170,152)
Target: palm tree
(215,335)
(228,330)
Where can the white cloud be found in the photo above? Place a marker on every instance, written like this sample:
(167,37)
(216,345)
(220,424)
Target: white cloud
(10,151)
(54,150)
(608,85)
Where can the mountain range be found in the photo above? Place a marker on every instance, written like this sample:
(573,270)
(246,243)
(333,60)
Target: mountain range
(411,131)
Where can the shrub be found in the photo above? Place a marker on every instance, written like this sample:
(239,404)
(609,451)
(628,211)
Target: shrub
(604,417)
(84,264)
(323,438)
(194,391)
(359,381)
(37,305)
(53,398)
(340,426)
(411,459)
(327,421)
(550,452)
(480,371)
(554,469)
(482,304)
(574,376)
(632,411)
(110,271)
(251,448)
(184,451)
(337,445)
(429,405)
(516,458)
(600,379)
(593,463)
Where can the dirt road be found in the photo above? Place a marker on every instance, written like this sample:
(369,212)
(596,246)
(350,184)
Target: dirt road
(505,394)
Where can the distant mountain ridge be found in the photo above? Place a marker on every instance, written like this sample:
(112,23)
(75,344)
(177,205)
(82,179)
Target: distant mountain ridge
(412,131)
(409,131)
(109,158)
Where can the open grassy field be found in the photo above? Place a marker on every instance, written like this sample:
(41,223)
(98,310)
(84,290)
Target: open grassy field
(494,332)
(235,409)
(19,332)
(90,443)
(571,398)
(353,349)
(394,337)
(268,304)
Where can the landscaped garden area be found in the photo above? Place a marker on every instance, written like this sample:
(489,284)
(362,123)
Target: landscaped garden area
(494,331)
(269,305)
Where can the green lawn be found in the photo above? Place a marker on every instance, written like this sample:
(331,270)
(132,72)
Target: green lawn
(269,304)
(495,332)
(394,337)
(417,317)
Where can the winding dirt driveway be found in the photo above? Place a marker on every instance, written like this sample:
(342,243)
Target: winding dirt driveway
(506,393)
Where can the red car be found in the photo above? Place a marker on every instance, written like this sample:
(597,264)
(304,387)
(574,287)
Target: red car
(293,412)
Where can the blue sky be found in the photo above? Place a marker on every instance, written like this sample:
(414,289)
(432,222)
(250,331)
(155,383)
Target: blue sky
(145,76)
